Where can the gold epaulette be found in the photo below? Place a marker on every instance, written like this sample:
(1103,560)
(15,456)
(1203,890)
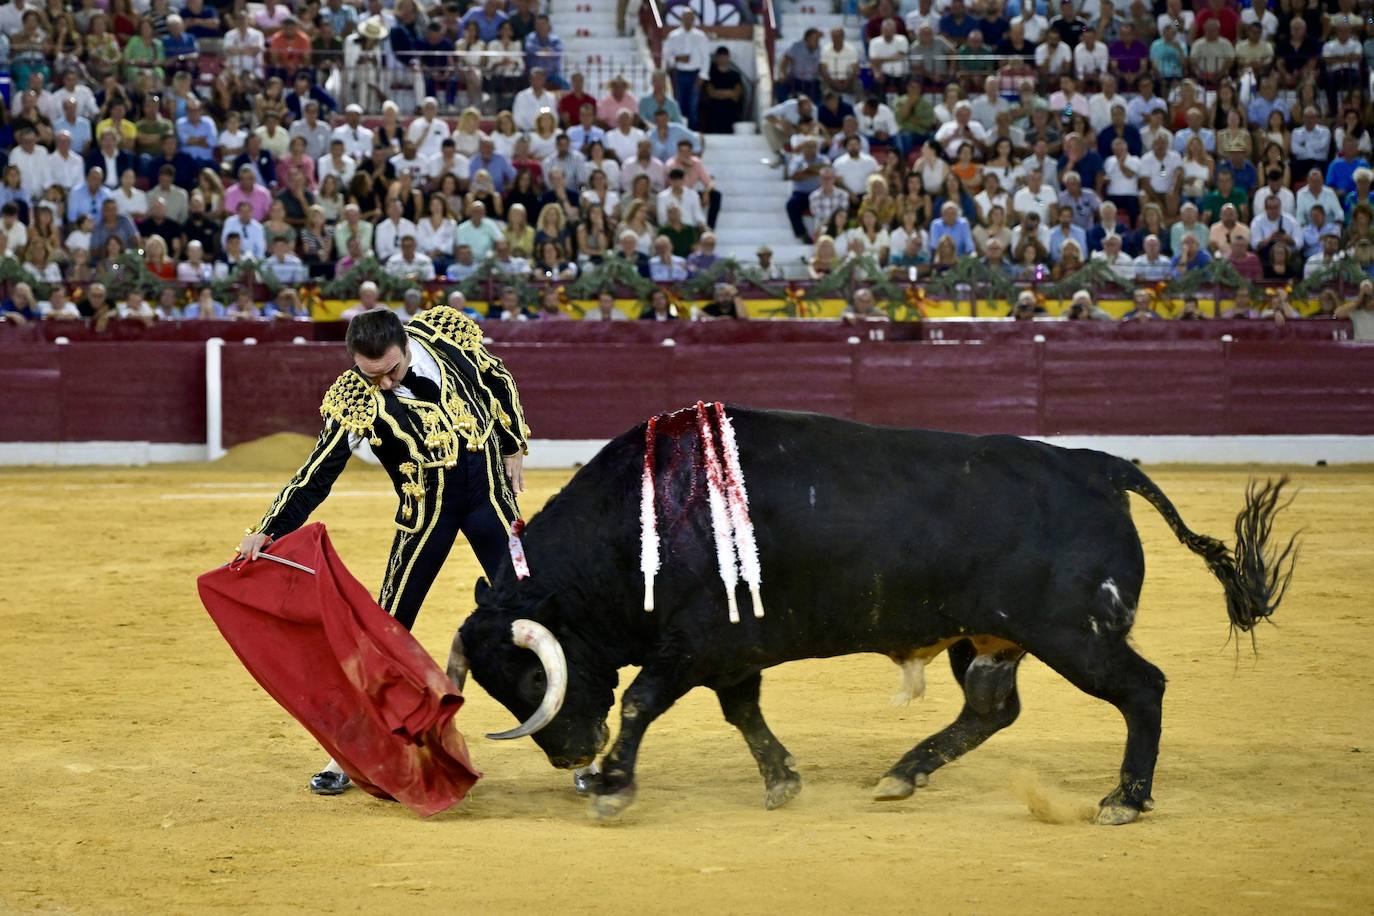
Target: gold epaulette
(450,325)
(352,403)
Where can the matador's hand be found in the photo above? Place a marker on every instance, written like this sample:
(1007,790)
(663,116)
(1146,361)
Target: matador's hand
(515,472)
(252,544)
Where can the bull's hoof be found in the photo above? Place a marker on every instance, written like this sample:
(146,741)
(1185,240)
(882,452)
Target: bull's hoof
(896,788)
(780,793)
(1114,815)
(608,807)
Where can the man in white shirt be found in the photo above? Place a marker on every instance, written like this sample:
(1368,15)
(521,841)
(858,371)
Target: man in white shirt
(1257,11)
(1271,223)
(1033,25)
(1040,161)
(571,161)
(925,14)
(1090,58)
(448,162)
(1151,266)
(1341,56)
(32,162)
(687,201)
(987,106)
(357,139)
(853,168)
(336,162)
(50,103)
(409,161)
(1100,104)
(243,47)
(1123,179)
(1114,257)
(623,139)
(1162,171)
(840,63)
(247,229)
(1195,128)
(1316,193)
(963,129)
(65,167)
(1052,56)
(532,99)
(410,264)
(1035,197)
(386,237)
(876,121)
(316,132)
(1275,188)
(887,55)
(686,55)
(429,131)
(1310,143)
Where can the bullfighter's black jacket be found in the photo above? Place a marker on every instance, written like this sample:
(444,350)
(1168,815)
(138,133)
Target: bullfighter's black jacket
(416,440)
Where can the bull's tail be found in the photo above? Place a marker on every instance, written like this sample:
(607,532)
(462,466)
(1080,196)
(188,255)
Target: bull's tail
(1255,572)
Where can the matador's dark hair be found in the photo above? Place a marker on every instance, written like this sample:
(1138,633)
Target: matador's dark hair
(374,332)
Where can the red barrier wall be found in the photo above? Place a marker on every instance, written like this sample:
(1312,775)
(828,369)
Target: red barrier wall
(154,391)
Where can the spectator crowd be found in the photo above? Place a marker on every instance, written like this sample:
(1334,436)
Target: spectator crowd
(225,141)
(1153,138)
(214,143)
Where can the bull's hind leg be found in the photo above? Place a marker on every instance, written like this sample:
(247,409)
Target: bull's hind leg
(740,703)
(1109,669)
(990,705)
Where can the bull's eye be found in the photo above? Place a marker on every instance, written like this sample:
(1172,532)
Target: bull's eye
(532,684)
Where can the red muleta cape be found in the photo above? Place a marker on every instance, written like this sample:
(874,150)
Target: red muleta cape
(353,676)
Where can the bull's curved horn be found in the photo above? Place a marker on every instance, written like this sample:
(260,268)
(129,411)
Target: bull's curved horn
(536,637)
(457,662)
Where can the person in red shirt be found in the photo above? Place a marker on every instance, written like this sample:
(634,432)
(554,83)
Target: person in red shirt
(573,100)
(288,50)
(1226,17)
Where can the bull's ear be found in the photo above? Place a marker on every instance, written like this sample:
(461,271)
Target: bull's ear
(481,589)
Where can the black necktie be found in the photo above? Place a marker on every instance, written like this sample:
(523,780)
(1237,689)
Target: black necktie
(421,388)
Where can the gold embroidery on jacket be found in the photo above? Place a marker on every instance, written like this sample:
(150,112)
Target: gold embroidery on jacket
(352,403)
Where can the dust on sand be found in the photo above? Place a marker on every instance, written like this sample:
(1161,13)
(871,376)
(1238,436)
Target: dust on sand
(145,772)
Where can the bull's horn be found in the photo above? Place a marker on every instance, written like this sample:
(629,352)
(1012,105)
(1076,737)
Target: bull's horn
(457,662)
(536,637)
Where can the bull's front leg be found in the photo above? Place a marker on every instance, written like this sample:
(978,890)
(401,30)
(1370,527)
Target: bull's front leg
(658,686)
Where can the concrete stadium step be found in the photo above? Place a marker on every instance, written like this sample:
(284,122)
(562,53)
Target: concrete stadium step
(740,224)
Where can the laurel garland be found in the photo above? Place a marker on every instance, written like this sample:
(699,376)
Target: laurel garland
(728,270)
(389,286)
(1217,272)
(973,272)
(477,284)
(1093,275)
(1346,270)
(11,271)
(610,275)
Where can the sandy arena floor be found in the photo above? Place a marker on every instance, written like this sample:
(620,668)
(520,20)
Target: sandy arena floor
(144,772)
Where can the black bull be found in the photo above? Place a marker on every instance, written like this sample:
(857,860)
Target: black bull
(902,542)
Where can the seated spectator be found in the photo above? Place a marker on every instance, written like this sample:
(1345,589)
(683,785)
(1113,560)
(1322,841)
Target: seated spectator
(1316,231)
(659,308)
(1328,259)
(605,309)
(666,266)
(722,95)
(1112,255)
(824,259)
(505,262)
(113,225)
(705,255)
(552,263)
(725,303)
(551,305)
(1190,256)
(627,249)
(681,236)
(1142,307)
(1082,308)
(1245,261)
(1027,306)
(1070,259)
(195,269)
(409,263)
(463,264)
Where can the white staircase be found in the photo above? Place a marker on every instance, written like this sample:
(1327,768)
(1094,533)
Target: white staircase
(753,202)
(592,46)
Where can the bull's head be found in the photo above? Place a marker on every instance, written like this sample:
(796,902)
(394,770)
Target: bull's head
(548,680)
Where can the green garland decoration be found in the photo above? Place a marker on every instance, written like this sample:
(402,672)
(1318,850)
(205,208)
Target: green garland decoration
(11,271)
(1346,270)
(611,274)
(128,273)
(727,270)
(243,274)
(346,286)
(476,284)
(973,272)
(1093,275)
(1217,272)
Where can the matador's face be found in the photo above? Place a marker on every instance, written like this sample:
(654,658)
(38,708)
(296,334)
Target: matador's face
(387,370)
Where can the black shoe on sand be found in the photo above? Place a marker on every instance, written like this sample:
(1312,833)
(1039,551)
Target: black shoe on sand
(330,783)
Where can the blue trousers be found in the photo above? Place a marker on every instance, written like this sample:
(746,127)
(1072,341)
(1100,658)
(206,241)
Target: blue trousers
(685,91)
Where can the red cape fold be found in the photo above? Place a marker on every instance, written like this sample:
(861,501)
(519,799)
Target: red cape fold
(353,676)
